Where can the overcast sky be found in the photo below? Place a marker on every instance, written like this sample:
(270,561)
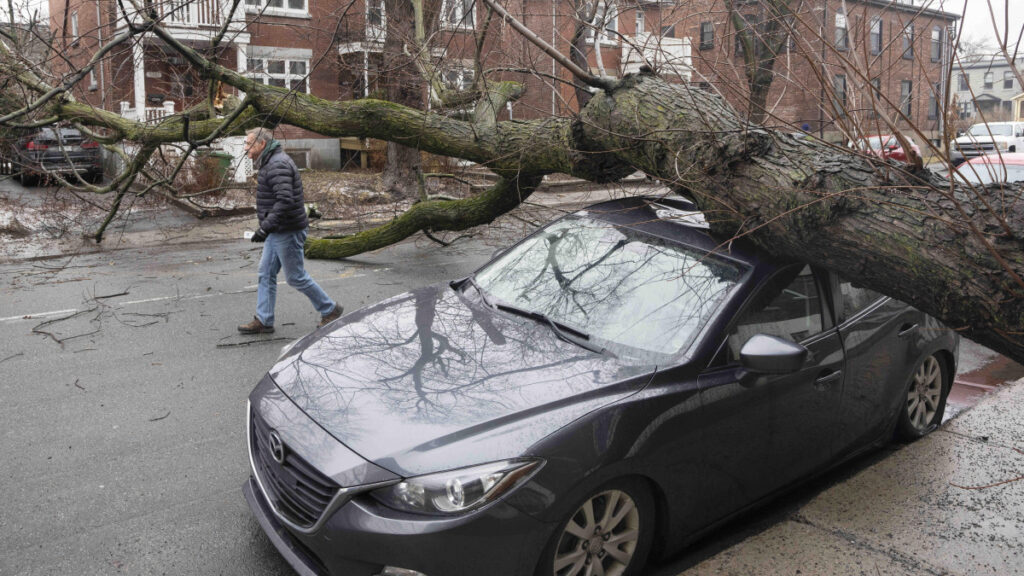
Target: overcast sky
(976,24)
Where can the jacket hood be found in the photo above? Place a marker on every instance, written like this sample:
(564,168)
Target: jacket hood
(433,380)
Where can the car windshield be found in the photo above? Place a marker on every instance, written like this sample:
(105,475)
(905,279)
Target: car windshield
(985,173)
(637,295)
(993,129)
(879,142)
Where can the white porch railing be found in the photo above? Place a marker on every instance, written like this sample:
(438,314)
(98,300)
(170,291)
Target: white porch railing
(196,12)
(150,113)
(667,55)
(189,19)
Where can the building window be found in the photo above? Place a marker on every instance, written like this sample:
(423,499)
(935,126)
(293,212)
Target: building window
(92,80)
(906,95)
(936,44)
(707,35)
(74,27)
(965,82)
(876,93)
(290,74)
(933,101)
(639,22)
(876,35)
(989,80)
(668,31)
(458,13)
(284,6)
(908,42)
(966,109)
(459,79)
(1008,80)
(839,95)
(376,19)
(605,25)
(842,31)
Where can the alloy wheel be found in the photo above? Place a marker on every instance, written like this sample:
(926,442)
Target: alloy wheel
(600,538)
(924,394)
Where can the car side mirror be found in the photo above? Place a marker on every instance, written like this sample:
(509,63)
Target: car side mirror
(763,354)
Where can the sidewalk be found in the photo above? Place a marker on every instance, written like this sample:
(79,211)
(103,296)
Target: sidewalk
(951,503)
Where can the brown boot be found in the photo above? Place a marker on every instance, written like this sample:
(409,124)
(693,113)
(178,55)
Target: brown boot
(255,327)
(330,316)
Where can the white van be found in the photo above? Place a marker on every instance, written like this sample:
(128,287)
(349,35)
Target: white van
(984,139)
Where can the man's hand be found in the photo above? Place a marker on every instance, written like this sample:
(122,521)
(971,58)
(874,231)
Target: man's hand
(259,235)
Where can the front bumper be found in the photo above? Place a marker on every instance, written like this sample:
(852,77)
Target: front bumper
(363,537)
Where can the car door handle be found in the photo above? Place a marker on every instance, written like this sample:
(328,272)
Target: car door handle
(907,330)
(828,379)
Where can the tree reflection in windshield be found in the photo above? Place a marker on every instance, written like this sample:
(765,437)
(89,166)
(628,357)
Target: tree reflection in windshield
(623,287)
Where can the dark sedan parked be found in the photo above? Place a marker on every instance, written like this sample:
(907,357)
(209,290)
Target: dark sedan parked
(55,151)
(615,384)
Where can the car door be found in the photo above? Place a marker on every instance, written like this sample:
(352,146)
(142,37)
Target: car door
(878,335)
(763,432)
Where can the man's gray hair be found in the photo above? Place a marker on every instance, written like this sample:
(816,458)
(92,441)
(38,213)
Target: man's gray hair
(264,135)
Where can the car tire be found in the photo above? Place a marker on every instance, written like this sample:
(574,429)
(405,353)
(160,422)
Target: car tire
(621,548)
(28,179)
(924,400)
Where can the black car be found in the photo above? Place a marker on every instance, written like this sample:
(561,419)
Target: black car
(615,384)
(59,151)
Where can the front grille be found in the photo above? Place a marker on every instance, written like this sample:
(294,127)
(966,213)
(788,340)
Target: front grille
(976,149)
(295,489)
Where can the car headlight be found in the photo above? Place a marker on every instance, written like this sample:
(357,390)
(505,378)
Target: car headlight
(457,491)
(1002,145)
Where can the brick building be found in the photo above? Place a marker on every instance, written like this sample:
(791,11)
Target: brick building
(333,49)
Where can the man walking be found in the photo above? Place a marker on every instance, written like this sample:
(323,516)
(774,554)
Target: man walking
(282,216)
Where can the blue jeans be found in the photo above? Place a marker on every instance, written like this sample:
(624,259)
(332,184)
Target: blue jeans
(284,249)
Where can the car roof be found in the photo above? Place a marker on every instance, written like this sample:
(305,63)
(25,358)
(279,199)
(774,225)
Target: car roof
(673,218)
(1013,158)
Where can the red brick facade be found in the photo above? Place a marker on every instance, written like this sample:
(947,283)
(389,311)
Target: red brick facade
(332,36)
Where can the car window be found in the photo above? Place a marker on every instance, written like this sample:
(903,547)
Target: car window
(789,307)
(641,296)
(990,172)
(855,298)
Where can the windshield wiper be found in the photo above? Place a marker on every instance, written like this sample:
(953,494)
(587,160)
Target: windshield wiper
(471,281)
(563,331)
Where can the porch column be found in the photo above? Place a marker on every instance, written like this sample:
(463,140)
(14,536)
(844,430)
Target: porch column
(243,63)
(139,63)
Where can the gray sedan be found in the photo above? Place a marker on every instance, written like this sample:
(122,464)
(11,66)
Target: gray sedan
(612,387)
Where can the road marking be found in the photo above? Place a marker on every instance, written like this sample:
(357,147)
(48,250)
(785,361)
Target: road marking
(37,315)
(247,289)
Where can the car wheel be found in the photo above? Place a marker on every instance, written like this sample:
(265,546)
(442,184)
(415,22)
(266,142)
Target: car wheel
(609,533)
(925,400)
(28,178)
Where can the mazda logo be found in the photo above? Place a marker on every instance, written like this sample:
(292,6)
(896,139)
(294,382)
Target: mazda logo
(276,447)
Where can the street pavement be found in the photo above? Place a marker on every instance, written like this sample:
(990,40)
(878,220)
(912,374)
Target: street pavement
(122,390)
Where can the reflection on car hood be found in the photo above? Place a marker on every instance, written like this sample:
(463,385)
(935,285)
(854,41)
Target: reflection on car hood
(433,380)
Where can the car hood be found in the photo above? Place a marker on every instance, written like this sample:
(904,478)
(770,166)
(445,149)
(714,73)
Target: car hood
(433,380)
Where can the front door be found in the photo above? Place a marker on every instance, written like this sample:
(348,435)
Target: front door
(765,431)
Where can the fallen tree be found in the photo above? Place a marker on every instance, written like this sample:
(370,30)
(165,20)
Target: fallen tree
(951,250)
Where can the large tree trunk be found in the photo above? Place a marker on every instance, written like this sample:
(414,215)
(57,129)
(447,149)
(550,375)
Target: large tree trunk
(953,252)
(403,85)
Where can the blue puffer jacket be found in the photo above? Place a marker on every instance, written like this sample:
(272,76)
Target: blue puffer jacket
(280,206)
